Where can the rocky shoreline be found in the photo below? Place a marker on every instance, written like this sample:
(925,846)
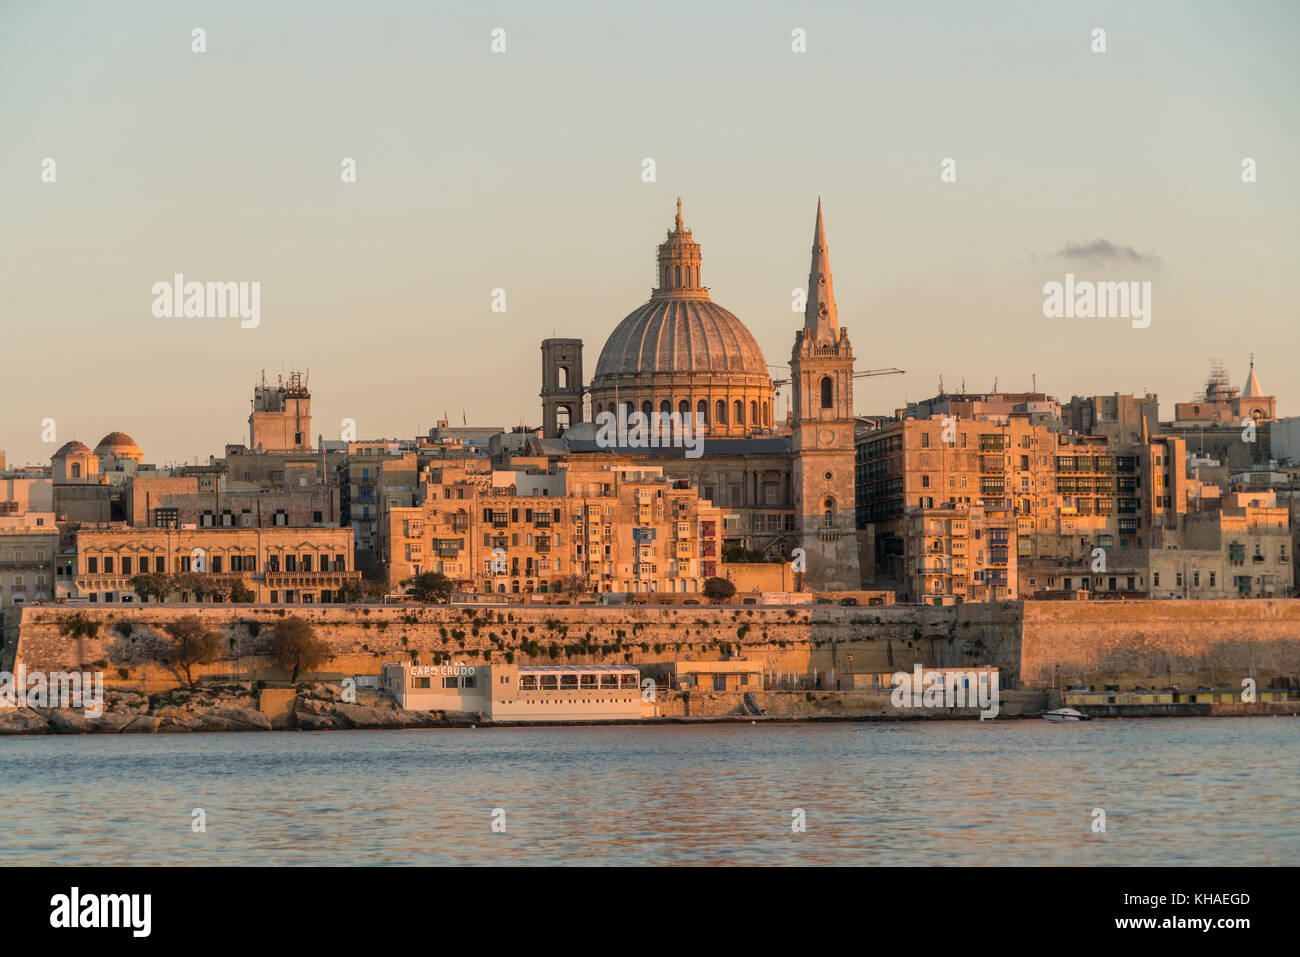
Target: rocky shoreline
(234,707)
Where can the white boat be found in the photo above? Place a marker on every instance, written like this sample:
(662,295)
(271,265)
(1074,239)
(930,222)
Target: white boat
(1065,714)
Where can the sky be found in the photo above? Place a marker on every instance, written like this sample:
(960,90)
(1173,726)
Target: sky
(522,170)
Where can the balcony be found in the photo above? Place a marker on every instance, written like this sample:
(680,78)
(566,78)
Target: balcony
(301,579)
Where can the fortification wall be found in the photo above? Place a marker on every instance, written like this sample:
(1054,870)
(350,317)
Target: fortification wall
(799,639)
(1160,642)
(1152,643)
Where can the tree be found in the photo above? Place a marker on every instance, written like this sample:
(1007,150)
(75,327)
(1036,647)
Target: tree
(718,589)
(572,586)
(199,585)
(295,646)
(350,591)
(429,587)
(240,592)
(192,643)
(151,585)
(738,553)
(374,589)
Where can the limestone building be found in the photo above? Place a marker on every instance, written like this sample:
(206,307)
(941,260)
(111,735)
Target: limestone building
(280,420)
(281,565)
(616,526)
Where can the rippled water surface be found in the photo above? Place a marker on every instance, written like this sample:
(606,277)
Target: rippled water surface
(1181,791)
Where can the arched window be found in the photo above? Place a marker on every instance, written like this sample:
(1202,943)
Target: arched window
(767,416)
(828,512)
(562,376)
(677,275)
(828,393)
(665,407)
(753,413)
(720,412)
(563,417)
(647,408)
(683,409)
(738,409)
(702,411)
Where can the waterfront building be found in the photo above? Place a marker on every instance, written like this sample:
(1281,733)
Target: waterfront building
(508,692)
(734,674)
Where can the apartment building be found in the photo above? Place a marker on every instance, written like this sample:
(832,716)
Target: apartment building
(617,527)
(27,563)
(961,553)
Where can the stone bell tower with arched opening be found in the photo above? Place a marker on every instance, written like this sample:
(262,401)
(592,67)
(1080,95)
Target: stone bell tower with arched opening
(561,386)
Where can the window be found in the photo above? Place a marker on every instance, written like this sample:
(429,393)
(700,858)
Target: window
(828,393)
(738,409)
(720,412)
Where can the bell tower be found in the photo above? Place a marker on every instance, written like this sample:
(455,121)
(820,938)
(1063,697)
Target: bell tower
(561,386)
(821,385)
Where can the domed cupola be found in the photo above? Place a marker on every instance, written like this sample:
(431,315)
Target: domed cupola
(681,352)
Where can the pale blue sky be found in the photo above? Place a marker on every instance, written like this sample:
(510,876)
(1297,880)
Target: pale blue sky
(522,170)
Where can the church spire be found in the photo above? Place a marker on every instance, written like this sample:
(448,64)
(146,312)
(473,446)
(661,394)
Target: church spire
(819,313)
(1253,389)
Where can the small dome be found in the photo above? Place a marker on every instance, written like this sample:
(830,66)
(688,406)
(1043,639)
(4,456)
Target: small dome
(120,445)
(72,448)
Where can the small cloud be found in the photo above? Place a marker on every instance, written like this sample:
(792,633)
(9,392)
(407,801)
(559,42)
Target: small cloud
(1103,250)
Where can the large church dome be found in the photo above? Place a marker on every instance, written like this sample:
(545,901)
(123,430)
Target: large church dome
(682,352)
(680,335)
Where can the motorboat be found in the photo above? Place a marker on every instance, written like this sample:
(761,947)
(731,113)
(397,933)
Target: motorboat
(1065,714)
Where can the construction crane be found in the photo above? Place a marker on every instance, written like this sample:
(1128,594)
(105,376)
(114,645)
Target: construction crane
(865,373)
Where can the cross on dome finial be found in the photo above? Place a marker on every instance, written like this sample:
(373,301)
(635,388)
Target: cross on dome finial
(679,213)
